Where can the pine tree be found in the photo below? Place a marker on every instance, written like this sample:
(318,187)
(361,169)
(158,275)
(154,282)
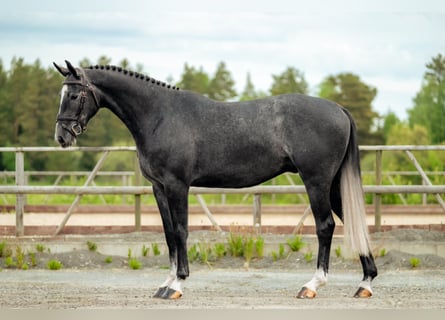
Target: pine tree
(221,86)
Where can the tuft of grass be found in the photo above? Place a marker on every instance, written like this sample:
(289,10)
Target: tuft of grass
(296,243)
(308,256)
(40,247)
(220,250)
(54,264)
(32,259)
(193,253)
(108,259)
(91,246)
(338,252)
(145,250)
(249,246)
(155,249)
(134,264)
(2,248)
(201,252)
(259,247)
(20,257)
(280,254)
(414,262)
(382,252)
(236,245)
(9,262)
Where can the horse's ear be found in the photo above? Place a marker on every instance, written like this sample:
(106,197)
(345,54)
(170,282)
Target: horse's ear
(63,71)
(72,70)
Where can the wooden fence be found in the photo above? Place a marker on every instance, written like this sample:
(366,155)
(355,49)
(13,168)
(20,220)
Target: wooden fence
(21,189)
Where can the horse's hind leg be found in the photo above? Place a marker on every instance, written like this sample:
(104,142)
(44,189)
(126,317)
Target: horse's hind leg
(325,225)
(368,264)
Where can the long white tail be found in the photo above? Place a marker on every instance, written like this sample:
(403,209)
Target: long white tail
(354,212)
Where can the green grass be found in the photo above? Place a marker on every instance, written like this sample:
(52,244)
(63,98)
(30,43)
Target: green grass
(134,264)
(54,264)
(155,249)
(108,259)
(92,246)
(414,262)
(296,243)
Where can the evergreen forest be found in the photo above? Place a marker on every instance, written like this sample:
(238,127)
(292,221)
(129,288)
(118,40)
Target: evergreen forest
(30,94)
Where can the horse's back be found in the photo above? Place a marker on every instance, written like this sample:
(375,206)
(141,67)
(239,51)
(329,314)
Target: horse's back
(246,143)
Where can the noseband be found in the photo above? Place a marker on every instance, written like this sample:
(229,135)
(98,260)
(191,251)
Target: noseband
(77,127)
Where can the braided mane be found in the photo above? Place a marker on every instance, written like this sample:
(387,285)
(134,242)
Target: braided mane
(136,75)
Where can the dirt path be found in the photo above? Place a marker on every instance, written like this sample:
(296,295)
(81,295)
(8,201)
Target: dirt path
(87,281)
(215,289)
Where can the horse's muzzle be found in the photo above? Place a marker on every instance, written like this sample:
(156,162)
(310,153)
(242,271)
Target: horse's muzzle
(64,136)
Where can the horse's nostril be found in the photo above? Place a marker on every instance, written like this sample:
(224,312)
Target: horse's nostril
(60,139)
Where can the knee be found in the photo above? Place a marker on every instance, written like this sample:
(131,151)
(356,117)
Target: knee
(325,229)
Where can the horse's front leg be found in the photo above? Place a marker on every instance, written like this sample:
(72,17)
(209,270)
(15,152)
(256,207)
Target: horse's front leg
(171,204)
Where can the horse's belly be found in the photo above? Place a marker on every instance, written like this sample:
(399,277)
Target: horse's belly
(242,175)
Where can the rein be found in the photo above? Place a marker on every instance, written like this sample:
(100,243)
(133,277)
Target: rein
(77,128)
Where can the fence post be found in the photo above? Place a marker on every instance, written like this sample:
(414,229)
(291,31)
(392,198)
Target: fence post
(378,196)
(20,198)
(257,213)
(137,197)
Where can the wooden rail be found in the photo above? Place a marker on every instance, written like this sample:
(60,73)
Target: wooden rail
(21,189)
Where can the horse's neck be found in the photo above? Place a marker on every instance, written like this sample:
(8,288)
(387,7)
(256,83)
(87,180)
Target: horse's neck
(129,100)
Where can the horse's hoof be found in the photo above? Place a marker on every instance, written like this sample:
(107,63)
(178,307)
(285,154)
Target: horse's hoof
(306,293)
(160,292)
(363,293)
(167,293)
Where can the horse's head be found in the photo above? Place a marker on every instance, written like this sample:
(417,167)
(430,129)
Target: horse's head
(78,105)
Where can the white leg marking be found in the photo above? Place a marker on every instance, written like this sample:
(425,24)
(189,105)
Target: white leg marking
(366,284)
(171,277)
(320,278)
(172,280)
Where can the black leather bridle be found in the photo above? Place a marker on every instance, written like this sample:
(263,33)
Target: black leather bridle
(77,127)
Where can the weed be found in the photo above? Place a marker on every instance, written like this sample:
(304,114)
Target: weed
(296,243)
(308,256)
(204,253)
(129,253)
(155,249)
(40,247)
(32,259)
(7,252)
(281,251)
(338,253)
(91,246)
(145,250)
(2,248)
(274,256)
(193,253)
(134,264)
(248,249)
(54,264)
(236,246)
(108,259)
(415,262)
(382,252)
(20,257)
(259,246)
(9,262)
(280,254)
(220,250)
(201,252)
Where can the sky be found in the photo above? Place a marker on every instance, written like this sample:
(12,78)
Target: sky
(387,43)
